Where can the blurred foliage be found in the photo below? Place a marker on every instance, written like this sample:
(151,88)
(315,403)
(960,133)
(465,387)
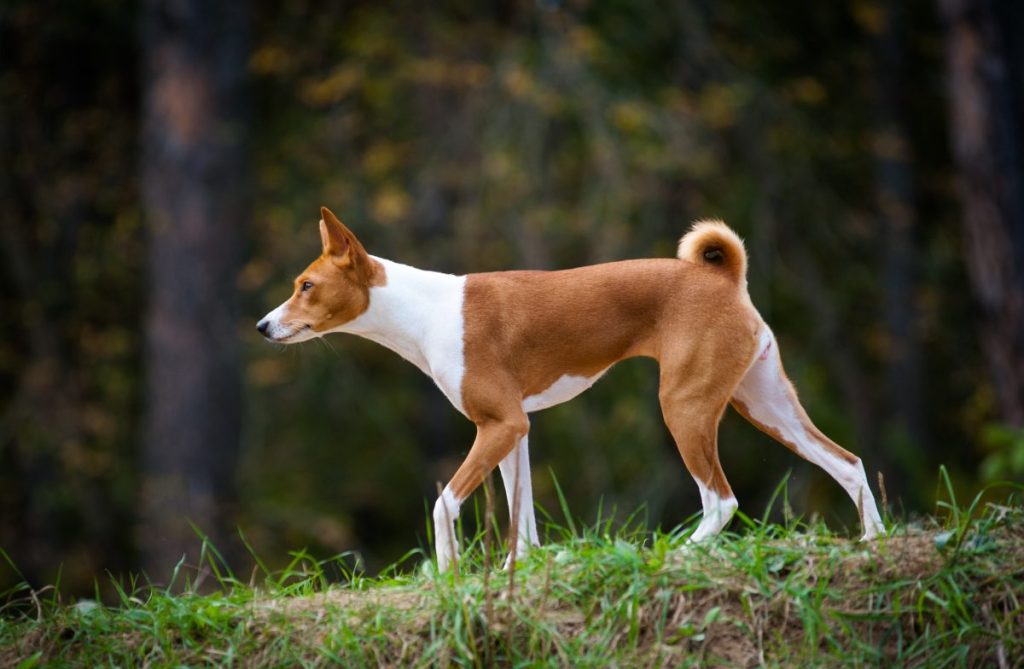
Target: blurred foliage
(70,234)
(469,137)
(1005,460)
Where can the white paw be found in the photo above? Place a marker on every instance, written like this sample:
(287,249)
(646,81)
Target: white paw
(704,531)
(717,514)
(872,530)
(521,550)
(447,553)
(446,510)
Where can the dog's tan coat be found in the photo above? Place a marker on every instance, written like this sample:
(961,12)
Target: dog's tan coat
(524,331)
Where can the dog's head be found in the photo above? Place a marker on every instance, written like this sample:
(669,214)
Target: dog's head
(332,291)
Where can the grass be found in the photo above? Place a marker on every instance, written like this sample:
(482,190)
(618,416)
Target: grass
(946,591)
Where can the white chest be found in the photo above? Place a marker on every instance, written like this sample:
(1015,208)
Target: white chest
(418,314)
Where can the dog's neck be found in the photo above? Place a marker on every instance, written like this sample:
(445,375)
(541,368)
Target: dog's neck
(403,312)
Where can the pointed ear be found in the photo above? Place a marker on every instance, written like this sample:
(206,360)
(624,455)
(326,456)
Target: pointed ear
(335,237)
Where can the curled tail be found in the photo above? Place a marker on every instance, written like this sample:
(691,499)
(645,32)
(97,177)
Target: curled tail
(714,243)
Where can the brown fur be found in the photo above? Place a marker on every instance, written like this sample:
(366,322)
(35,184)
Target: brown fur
(341,276)
(524,330)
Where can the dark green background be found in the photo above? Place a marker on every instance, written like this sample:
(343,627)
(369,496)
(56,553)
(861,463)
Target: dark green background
(483,136)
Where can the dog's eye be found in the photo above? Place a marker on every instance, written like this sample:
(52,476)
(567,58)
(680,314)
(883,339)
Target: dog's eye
(306,285)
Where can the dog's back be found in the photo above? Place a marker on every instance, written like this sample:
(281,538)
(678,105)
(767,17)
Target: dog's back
(543,325)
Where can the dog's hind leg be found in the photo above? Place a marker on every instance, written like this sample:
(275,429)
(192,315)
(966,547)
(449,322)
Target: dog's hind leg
(515,474)
(693,421)
(767,399)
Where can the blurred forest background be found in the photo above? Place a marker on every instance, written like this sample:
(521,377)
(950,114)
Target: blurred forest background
(162,165)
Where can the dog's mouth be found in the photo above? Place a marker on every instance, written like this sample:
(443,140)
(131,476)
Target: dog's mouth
(293,334)
(302,333)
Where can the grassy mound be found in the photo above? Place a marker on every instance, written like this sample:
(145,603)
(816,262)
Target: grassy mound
(926,594)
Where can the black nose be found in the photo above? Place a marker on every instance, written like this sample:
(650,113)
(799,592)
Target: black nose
(262,327)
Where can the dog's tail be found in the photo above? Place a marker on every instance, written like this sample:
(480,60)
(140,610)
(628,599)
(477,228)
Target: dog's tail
(714,243)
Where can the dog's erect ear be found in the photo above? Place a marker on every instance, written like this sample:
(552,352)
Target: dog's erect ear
(338,241)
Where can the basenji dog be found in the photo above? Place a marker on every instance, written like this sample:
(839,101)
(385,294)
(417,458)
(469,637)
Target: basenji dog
(501,345)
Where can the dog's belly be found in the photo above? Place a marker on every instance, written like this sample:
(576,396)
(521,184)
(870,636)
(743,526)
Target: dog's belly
(562,390)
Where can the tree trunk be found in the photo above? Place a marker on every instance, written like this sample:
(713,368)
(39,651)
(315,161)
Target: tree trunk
(986,116)
(193,191)
(895,191)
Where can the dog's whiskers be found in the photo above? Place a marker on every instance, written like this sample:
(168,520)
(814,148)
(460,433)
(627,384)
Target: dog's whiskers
(329,346)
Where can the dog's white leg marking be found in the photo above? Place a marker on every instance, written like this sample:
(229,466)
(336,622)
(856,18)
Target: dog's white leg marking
(446,510)
(718,512)
(515,474)
(768,398)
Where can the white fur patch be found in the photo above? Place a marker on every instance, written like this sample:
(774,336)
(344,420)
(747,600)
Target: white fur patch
(770,400)
(563,389)
(446,510)
(718,512)
(285,332)
(418,315)
(515,474)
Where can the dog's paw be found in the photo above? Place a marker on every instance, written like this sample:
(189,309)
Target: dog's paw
(447,554)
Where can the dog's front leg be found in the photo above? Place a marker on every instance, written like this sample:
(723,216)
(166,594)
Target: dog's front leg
(446,510)
(515,474)
(495,439)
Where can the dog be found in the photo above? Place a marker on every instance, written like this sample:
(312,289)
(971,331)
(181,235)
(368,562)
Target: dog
(502,345)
